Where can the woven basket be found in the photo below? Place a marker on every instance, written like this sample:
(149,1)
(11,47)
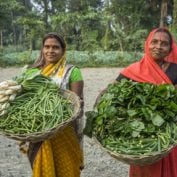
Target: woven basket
(41,136)
(140,160)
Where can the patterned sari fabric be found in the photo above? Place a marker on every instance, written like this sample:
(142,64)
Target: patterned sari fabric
(60,156)
(146,70)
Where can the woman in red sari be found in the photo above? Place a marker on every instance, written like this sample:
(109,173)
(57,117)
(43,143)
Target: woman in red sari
(157,66)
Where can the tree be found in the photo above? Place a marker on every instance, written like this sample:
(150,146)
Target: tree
(9,12)
(105,24)
(174,25)
(58,6)
(33,28)
(44,7)
(164,10)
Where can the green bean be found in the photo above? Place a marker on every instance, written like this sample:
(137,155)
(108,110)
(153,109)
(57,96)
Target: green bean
(36,110)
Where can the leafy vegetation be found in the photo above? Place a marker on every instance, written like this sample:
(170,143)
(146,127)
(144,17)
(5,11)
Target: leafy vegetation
(109,25)
(135,118)
(79,58)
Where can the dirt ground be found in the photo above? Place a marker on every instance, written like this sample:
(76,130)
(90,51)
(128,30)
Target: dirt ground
(97,162)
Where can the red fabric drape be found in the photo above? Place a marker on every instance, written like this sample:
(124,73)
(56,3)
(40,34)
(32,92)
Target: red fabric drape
(146,70)
(167,167)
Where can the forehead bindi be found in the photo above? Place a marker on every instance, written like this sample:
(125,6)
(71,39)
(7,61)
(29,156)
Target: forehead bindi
(51,41)
(161,36)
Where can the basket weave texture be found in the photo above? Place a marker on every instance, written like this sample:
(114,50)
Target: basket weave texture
(140,160)
(41,136)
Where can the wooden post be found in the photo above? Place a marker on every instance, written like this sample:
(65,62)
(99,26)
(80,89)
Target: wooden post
(174,26)
(1,39)
(163,15)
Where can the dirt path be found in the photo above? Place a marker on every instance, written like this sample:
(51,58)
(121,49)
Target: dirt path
(97,162)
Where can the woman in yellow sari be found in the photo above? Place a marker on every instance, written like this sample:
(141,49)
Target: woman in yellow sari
(62,155)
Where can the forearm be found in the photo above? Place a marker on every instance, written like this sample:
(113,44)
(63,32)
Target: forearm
(77,87)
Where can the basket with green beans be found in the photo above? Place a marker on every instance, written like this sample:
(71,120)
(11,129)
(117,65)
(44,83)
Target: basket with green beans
(39,111)
(135,122)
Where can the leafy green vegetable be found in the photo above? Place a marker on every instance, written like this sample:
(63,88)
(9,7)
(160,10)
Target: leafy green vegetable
(135,118)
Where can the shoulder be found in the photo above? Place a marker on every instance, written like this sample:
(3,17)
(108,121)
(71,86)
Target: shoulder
(173,65)
(171,72)
(76,69)
(76,74)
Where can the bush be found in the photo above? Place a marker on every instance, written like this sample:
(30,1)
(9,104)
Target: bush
(18,58)
(79,58)
(102,58)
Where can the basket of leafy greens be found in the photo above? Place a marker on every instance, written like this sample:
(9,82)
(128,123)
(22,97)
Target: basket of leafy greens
(135,122)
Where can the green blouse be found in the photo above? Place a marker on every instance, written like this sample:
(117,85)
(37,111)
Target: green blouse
(76,75)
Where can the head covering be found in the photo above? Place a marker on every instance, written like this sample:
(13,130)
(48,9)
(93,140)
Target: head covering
(147,70)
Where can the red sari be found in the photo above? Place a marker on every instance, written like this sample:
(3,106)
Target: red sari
(146,70)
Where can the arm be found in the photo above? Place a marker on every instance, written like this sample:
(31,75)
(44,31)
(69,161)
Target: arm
(76,83)
(77,87)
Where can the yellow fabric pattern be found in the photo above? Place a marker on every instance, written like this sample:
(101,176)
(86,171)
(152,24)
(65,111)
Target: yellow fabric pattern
(53,67)
(60,156)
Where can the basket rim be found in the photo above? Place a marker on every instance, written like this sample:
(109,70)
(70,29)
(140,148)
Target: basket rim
(128,158)
(40,136)
(141,159)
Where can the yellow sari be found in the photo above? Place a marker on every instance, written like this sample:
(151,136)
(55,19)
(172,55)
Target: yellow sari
(60,156)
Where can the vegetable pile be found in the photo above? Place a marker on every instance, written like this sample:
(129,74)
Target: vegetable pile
(8,91)
(38,107)
(135,118)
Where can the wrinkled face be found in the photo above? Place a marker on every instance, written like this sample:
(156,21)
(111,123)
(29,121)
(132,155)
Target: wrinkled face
(52,51)
(159,46)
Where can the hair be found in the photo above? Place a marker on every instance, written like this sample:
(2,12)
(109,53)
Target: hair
(58,37)
(40,61)
(164,30)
